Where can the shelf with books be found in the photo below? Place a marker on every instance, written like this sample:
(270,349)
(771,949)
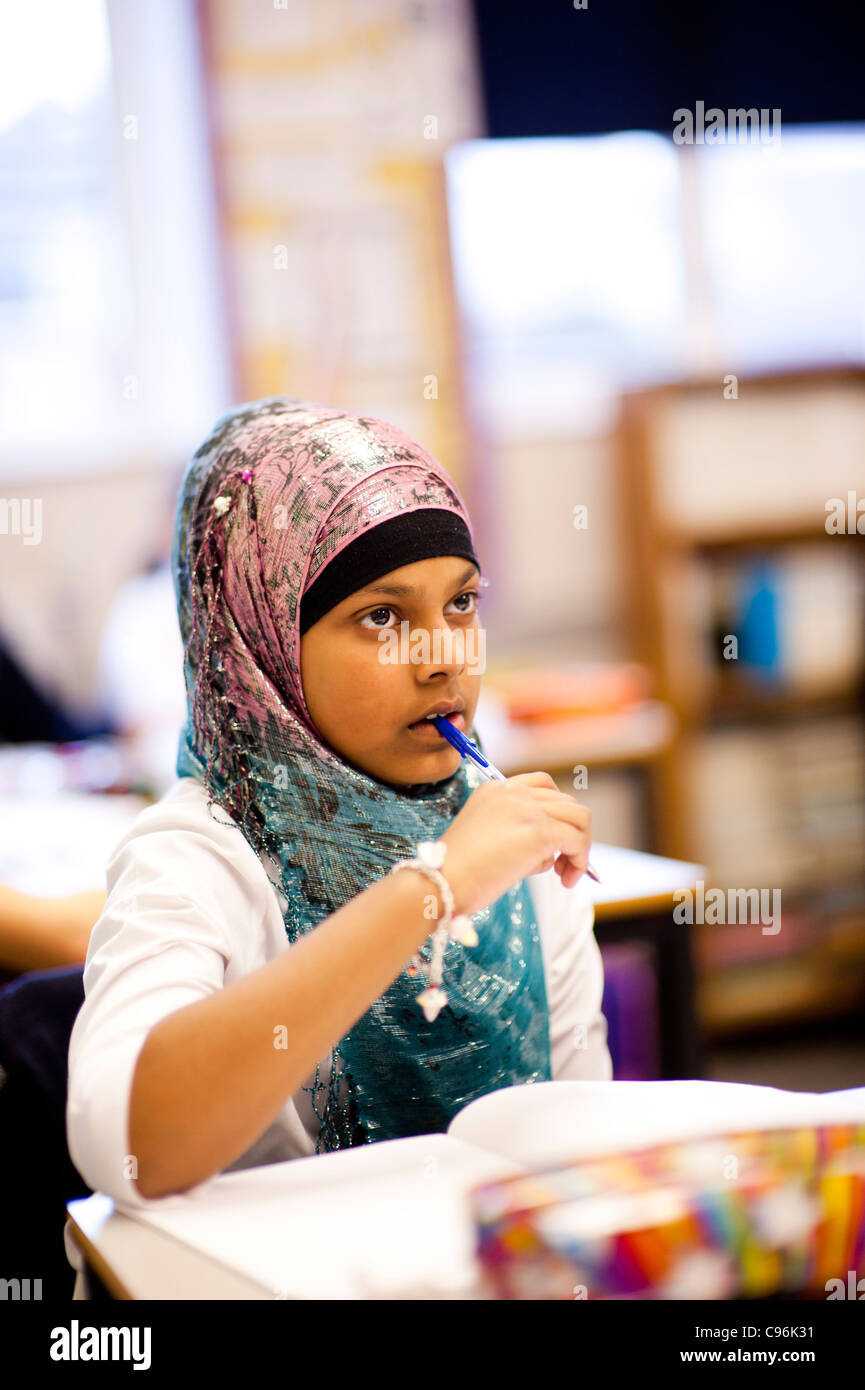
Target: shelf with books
(748,977)
(596,728)
(750,613)
(807,987)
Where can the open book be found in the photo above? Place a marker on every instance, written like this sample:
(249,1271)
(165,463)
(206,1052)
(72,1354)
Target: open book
(557,1121)
(392,1219)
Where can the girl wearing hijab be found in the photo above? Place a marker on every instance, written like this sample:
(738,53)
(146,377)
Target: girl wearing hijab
(324,934)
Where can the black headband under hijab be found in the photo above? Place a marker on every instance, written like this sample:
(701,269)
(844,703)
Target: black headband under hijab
(403,539)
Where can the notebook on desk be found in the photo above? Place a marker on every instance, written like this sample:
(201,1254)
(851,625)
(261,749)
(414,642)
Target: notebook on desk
(392,1219)
(381,1220)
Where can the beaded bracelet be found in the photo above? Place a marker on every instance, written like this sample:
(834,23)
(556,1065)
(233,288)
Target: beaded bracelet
(431,857)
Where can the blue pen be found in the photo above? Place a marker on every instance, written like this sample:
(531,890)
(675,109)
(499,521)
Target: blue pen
(465,746)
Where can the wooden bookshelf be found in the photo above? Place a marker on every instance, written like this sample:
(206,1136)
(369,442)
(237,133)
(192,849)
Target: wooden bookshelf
(766,463)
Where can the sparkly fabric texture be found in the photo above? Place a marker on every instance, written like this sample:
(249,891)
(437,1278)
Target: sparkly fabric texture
(277,489)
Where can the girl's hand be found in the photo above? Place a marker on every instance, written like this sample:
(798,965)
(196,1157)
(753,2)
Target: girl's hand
(507,830)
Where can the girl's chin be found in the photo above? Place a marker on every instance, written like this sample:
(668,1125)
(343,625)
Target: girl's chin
(430,760)
(423,756)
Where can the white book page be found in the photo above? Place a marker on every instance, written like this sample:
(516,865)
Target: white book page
(553,1122)
(389,1219)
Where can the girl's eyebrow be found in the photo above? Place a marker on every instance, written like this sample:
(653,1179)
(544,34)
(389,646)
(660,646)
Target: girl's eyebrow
(408,590)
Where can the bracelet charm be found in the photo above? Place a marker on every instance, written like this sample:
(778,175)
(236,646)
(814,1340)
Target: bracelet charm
(451,927)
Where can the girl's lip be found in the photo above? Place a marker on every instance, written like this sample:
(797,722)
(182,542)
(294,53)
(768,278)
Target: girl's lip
(425,728)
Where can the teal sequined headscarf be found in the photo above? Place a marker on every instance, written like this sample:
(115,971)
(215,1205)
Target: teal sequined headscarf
(275,492)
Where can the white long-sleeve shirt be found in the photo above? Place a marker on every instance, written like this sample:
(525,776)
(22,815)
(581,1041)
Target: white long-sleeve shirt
(191,909)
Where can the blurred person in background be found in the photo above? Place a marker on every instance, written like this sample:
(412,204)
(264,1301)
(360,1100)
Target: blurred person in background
(141,663)
(38,933)
(142,701)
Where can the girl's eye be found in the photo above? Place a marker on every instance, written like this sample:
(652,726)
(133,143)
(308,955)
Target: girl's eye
(464,612)
(470,593)
(373,614)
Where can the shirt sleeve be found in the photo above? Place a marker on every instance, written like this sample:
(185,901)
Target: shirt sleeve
(575,979)
(163,941)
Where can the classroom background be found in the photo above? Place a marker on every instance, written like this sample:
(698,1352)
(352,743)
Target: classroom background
(642,358)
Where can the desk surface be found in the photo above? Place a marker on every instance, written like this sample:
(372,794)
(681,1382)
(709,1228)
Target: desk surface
(135,1261)
(59,842)
(634,883)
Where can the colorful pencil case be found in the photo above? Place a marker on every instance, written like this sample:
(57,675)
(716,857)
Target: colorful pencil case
(740,1215)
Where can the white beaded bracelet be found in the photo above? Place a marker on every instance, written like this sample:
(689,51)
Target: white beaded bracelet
(430,858)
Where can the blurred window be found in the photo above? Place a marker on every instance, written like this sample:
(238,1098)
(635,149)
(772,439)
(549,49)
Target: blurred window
(64,279)
(783,232)
(113,347)
(569,271)
(590,265)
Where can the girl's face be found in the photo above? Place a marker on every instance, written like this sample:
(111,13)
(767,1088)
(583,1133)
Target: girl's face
(364,692)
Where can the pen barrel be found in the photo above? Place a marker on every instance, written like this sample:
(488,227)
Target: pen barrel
(492,774)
